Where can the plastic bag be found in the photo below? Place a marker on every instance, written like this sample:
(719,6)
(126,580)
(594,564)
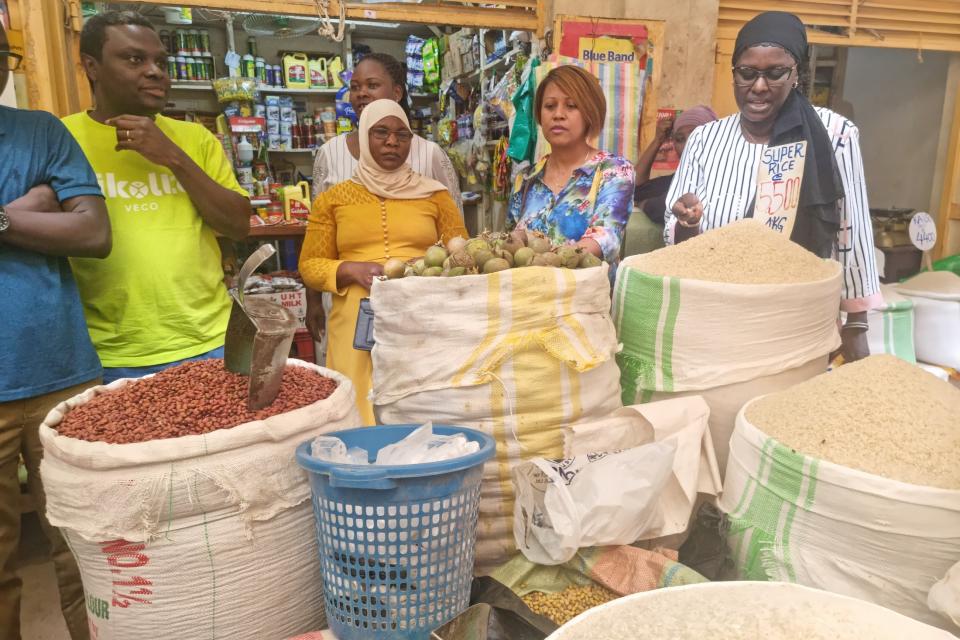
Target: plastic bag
(423,445)
(944,596)
(596,499)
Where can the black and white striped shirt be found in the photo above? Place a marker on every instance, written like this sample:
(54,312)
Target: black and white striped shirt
(720,167)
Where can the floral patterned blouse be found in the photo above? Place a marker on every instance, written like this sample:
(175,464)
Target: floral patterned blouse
(595,203)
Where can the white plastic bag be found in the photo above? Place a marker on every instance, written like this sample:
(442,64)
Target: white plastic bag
(605,499)
(596,499)
(944,596)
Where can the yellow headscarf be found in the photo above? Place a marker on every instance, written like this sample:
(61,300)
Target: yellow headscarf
(402,183)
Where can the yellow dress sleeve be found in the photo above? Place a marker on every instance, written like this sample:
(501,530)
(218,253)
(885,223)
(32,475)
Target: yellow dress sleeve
(449,219)
(318,257)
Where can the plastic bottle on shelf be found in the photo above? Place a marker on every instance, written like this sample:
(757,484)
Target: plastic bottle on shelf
(182,73)
(248,66)
(260,67)
(195,48)
(252,46)
(277,75)
(244,152)
(205,41)
(166,40)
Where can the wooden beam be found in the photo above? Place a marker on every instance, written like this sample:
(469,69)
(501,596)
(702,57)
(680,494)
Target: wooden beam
(458,16)
(949,194)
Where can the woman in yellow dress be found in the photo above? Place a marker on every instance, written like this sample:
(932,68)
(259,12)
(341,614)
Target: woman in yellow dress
(385,211)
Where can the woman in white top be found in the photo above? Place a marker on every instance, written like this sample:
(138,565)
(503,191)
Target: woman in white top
(716,183)
(377,76)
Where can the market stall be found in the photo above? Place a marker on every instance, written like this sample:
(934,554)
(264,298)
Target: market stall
(547,444)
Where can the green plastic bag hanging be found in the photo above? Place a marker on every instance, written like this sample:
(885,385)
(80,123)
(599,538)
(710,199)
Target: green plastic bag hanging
(523,134)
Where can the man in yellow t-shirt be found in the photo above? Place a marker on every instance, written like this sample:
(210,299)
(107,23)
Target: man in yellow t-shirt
(159,299)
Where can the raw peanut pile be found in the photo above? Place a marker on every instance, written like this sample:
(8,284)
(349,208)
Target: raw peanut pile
(569,603)
(189,399)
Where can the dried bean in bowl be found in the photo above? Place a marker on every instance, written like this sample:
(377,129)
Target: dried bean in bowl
(189,399)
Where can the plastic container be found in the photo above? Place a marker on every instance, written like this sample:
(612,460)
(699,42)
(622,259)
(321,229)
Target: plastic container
(295,75)
(396,542)
(318,73)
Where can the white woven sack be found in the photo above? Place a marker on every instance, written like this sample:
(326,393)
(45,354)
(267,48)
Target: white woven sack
(521,355)
(726,342)
(199,537)
(936,308)
(795,518)
(891,326)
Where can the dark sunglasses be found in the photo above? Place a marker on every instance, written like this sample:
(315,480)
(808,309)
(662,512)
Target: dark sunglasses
(9,60)
(775,76)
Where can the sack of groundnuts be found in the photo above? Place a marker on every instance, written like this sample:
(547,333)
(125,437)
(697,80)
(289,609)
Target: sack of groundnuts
(850,482)
(522,354)
(188,514)
(729,315)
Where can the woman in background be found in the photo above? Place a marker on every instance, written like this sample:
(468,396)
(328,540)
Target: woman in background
(650,195)
(576,194)
(387,210)
(376,76)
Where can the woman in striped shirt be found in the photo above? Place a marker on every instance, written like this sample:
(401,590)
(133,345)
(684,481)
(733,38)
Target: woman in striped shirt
(716,183)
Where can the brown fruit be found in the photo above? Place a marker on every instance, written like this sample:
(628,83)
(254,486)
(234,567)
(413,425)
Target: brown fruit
(495,264)
(548,259)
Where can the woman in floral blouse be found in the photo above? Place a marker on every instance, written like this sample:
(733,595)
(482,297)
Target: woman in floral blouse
(576,194)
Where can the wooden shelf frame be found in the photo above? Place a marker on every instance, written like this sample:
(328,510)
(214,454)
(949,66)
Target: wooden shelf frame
(903,24)
(526,15)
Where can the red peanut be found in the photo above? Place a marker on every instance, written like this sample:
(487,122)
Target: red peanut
(189,399)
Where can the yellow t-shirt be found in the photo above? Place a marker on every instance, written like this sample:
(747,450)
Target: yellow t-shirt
(159,296)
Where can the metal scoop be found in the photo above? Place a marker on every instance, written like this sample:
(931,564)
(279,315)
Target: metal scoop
(258,338)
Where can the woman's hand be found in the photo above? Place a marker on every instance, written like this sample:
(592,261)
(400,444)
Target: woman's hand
(361,273)
(589,245)
(688,210)
(316,316)
(664,128)
(853,338)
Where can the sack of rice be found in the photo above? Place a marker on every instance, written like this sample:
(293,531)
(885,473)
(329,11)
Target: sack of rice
(849,482)
(936,307)
(207,535)
(731,314)
(743,611)
(891,325)
(522,354)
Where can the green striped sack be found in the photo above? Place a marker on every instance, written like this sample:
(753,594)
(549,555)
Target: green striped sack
(891,326)
(689,335)
(796,518)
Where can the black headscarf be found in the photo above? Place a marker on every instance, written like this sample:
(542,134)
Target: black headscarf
(818,217)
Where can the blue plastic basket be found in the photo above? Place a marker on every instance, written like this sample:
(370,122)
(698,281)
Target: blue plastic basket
(396,542)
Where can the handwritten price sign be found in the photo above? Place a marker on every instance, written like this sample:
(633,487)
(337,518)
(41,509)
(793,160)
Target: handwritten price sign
(778,186)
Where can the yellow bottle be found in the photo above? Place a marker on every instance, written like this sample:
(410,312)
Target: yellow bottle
(296,201)
(295,73)
(318,73)
(336,68)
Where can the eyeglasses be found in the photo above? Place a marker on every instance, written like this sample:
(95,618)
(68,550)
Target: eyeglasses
(381,134)
(775,76)
(10,61)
